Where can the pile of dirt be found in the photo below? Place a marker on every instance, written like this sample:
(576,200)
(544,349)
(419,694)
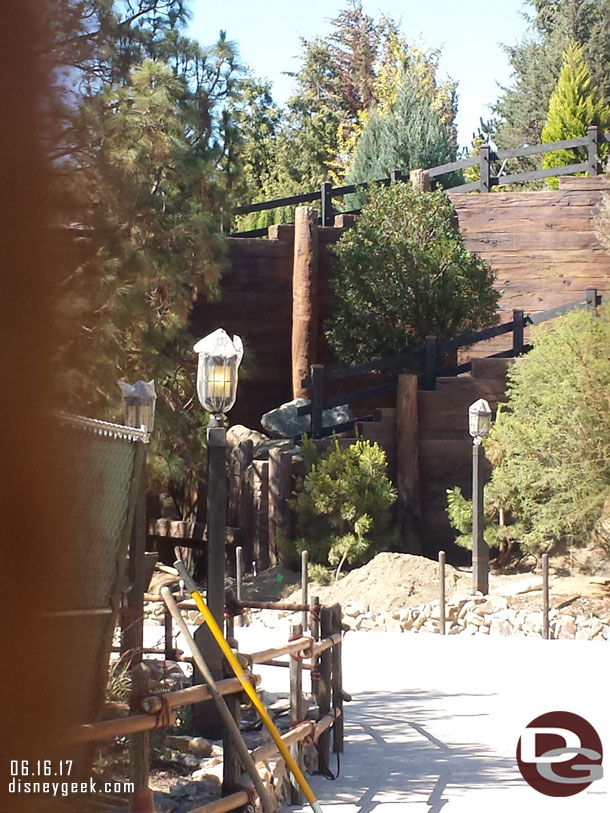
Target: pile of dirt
(391,581)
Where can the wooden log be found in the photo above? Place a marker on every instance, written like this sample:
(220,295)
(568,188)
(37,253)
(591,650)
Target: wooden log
(304,588)
(324,688)
(264,655)
(231,762)
(139,764)
(296,712)
(224,805)
(279,514)
(304,297)
(420,180)
(407,457)
(337,680)
(441,579)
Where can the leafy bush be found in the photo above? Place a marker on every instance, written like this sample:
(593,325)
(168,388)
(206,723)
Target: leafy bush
(551,448)
(403,273)
(343,502)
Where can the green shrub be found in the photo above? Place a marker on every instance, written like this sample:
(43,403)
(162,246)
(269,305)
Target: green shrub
(551,448)
(343,503)
(403,273)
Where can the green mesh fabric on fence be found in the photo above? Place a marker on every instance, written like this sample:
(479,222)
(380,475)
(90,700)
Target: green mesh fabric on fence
(101,463)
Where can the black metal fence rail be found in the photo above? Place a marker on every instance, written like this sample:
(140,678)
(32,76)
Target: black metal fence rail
(424,360)
(485,160)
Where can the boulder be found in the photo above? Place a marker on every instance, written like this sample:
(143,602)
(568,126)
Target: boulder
(236,434)
(284,422)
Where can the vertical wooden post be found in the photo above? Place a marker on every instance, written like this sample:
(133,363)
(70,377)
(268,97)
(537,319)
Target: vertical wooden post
(592,151)
(485,169)
(231,761)
(337,682)
(430,368)
(296,712)
(304,297)
(591,299)
(139,766)
(441,578)
(396,176)
(133,630)
(239,577)
(324,684)
(420,180)
(328,216)
(518,331)
(304,588)
(315,634)
(279,516)
(407,458)
(243,457)
(168,628)
(545,596)
(206,719)
(317,399)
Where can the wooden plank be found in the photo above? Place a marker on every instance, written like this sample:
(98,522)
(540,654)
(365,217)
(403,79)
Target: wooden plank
(304,297)
(539,174)
(407,433)
(279,513)
(538,149)
(297,711)
(276,203)
(536,241)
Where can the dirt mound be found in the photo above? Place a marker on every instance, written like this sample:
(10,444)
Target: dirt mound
(390,581)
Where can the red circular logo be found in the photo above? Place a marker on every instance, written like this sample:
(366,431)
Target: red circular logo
(560,754)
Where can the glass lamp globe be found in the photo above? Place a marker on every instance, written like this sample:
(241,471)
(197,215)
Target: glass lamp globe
(139,402)
(479,419)
(219,359)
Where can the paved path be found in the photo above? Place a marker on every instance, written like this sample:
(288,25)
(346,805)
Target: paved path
(435,721)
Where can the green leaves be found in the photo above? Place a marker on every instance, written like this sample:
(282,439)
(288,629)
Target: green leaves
(551,449)
(403,273)
(343,502)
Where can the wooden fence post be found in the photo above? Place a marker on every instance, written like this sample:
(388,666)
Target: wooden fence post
(139,765)
(324,684)
(280,489)
(407,459)
(592,151)
(168,628)
(317,399)
(484,169)
(304,588)
(430,368)
(441,578)
(239,576)
(231,761)
(396,176)
(337,682)
(518,326)
(420,180)
(591,299)
(304,297)
(315,634)
(328,216)
(545,596)
(297,712)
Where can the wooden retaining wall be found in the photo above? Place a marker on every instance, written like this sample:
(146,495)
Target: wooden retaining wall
(542,245)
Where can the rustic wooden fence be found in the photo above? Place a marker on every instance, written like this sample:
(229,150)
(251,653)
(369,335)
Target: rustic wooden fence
(426,360)
(318,652)
(484,161)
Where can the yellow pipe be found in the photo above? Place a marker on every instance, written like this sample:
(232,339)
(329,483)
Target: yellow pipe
(247,686)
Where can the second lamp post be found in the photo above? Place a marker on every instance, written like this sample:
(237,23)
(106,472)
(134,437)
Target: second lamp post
(479,424)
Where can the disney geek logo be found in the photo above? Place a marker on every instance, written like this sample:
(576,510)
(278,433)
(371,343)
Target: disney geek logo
(560,754)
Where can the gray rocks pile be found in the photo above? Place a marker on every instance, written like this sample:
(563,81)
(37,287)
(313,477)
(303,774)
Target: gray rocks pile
(469,615)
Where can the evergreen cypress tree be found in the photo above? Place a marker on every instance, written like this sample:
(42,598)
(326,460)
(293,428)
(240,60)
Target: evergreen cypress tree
(574,105)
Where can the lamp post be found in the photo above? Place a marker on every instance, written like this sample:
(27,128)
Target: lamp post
(479,424)
(218,362)
(139,403)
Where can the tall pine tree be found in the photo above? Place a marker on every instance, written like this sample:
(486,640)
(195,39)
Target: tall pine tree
(574,105)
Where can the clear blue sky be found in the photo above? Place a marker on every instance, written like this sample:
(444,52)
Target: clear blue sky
(469,32)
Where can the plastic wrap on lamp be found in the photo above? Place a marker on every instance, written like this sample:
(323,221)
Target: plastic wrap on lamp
(218,363)
(139,400)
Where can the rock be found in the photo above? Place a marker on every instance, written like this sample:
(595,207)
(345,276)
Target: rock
(567,628)
(284,422)
(492,605)
(198,746)
(261,452)
(238,433)
(353,609)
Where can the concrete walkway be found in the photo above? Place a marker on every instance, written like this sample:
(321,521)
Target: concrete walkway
(435,721)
